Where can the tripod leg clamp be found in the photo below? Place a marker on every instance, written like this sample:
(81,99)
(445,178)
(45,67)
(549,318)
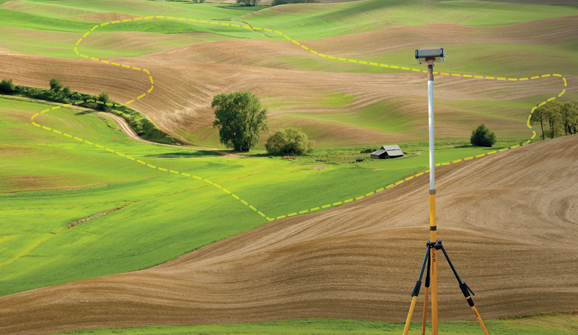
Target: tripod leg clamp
(416,288)
(466,291)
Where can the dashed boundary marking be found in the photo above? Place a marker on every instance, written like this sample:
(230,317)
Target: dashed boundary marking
(138,161)
(304,47)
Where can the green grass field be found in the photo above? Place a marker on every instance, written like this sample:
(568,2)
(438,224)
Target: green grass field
(549,324)
(49,181)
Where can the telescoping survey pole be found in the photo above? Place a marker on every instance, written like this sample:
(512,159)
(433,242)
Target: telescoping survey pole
(432,191)
(431,56)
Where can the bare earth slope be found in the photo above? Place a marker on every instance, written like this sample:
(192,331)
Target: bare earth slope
(186,79)
(509,221)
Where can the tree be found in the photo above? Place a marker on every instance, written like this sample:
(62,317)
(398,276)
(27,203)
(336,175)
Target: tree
(554,118)
(249,2)
(569,113)
(539,116)
(289,141)
(55,85)
(240,119)
(106,104)
(483,137)
(7,86)
(67,91)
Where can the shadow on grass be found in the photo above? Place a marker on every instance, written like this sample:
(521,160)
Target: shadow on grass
(195,154)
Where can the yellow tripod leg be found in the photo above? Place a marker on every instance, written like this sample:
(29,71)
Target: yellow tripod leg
(424,311)
(409,315)
(480,320)
(415,293)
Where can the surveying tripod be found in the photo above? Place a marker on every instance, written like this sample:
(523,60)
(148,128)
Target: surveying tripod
(463,286)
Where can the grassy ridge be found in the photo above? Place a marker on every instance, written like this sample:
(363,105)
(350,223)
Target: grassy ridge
(541,324)
(141,125)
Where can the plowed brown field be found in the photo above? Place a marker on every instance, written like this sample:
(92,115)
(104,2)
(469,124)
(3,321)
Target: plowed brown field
(187,78)
(509,222)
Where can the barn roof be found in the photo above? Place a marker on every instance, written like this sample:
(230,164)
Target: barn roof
(390,147)
(395,153)
(392,150)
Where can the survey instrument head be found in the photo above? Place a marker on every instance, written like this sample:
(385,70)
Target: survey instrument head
(430,55)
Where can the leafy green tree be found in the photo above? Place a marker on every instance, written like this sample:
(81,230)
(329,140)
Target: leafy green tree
(569,113)
(554,117)
(67,91)
(539,116)
(55,85)
(106,103)
(249,2)
(7,86)
(483,137)
(240,119)
(289,141)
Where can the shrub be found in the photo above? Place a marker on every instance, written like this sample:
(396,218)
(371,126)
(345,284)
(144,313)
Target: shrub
(284,2)
(103,97)
(7,86)
(66,91)
(55,85)
(289,141)
(249,2)
(483,137)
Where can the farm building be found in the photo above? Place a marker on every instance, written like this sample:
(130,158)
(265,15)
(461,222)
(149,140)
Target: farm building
(387,151)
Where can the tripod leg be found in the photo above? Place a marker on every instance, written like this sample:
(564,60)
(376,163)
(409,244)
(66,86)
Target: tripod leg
(415,293)
(464,287)
(427,279)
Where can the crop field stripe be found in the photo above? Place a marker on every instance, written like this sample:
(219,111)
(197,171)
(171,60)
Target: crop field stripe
(361,62)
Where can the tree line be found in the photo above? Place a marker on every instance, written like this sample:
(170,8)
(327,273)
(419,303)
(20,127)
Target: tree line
(274,3)
(556,118)
(142,126)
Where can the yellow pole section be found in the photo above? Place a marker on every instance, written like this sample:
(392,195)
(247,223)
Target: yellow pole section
(434,264)
(480,320)
(424,311)
(409,315)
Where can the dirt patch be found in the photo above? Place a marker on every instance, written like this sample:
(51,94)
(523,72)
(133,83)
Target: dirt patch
(76,223)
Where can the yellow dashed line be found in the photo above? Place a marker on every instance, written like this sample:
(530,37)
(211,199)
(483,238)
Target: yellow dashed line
(312,51)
